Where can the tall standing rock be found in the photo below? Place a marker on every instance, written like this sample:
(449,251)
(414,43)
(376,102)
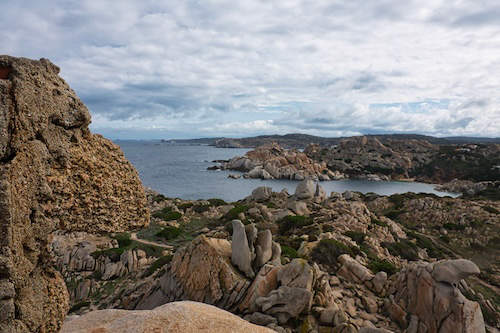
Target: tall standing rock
(54,174)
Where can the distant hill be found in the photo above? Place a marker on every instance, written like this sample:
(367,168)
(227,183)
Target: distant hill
(300,141)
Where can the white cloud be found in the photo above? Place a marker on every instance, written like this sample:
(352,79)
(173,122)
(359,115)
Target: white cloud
(300,66)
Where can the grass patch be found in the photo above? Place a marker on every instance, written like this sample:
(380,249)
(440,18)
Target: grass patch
(159,263)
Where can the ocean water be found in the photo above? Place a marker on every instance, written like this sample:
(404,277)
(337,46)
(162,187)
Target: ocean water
(180,171)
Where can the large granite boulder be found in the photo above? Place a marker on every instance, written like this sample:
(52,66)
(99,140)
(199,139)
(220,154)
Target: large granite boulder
(306,189)
(54,174)
(241,256)
(420,303)
(202,272)
(176,317)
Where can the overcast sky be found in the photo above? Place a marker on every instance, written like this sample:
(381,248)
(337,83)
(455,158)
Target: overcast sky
(186,69)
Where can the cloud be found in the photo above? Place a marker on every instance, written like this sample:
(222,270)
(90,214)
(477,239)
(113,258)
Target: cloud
(193,68)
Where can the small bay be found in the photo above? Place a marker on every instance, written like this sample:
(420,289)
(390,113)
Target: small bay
(181,171)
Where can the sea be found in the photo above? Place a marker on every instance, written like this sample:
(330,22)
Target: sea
(180,171)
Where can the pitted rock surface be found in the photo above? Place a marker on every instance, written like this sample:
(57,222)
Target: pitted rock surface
(54,174)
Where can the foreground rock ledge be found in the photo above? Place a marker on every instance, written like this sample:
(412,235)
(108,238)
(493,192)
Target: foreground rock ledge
(54,175)
(173,317)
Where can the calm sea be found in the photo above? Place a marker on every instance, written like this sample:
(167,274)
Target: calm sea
(180,171)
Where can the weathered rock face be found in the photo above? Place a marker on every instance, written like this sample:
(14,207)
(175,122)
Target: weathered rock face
(426,294)
(54,174)
(172,317)
(201,272)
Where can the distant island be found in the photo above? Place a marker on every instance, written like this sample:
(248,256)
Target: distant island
(300,141)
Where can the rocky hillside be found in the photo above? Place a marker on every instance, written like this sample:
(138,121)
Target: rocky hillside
(54,175)
(300,141)
(307,262)
(415,159)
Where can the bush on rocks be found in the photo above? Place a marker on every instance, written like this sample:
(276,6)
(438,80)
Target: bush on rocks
(328,250)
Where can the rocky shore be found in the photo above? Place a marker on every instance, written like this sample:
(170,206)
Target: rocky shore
(274,162)
(367,157)
(80,251)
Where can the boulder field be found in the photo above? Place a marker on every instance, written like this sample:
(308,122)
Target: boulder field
(341,267)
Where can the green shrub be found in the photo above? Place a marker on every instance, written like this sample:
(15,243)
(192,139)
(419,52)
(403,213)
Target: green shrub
(123,239)
(159,263)
(453,226)
(169,233)
(159,198)
(78,306)
(404,249)
(378,222)
(328,250)
(271,205)
(393,214)
(113,253)
(477,224)
(291,222)
(491,210)
(424,242)
(166,214)
(217,202)
(234,212)
(377,265)
(356,236)
(287,251)
(201,208)
(185,206)
(445,238)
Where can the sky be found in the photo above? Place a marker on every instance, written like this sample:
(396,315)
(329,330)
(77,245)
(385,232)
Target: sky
(188,69)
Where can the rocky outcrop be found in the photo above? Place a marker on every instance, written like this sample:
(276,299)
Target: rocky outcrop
(202,272)
(54,174)
(273,162)
(176,317)
(425,299)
